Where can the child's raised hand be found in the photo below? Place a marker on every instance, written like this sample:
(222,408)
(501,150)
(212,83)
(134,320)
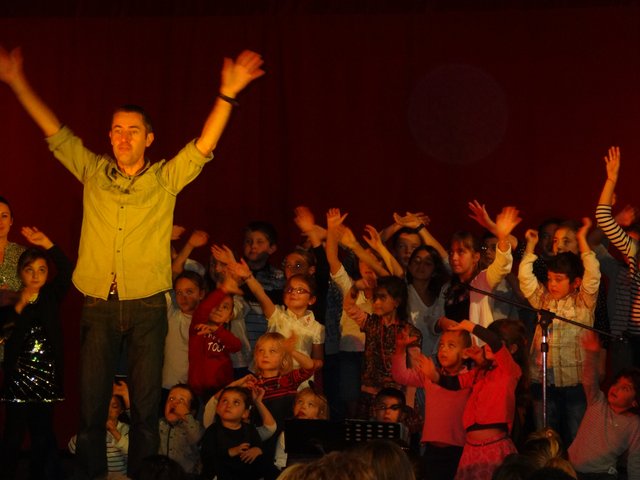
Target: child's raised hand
(531,236)
(612,161)
(199,238)
(240,269)
(411,220)
(479,214)
(373,238)
(334,218)
(626,216)
(230,283)
(248,456)
(584,229)
(223,254)
(590,341)
(121,388)
(403,339)
(425,366)
(506,221)
(177,231)
(257,394)
(35,236)
(462,325)
(10,65)
(304,219)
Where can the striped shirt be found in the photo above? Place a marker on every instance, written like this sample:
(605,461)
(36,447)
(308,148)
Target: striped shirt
(629,248)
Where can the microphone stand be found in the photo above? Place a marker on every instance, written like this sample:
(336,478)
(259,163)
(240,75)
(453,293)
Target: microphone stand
(545,318)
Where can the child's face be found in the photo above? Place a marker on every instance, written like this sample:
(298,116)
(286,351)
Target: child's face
(268,355)
(405,245)
(622,395)
(179,401)
(559,285)
(450,351)
(115,408)
(367,273)
(307,406)
(257,247)
(297,294)
(421,266)
(296,264)
(383,303)
(564,240)
(388,409)
(463,260)
(223,313)
(188,295)
(34,274)
(488,252)
(232,407)
(546,238)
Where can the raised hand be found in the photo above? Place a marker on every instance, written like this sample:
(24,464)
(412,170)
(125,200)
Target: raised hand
(223,254)
(425,366)
(479,214)
(335,218)
(10,65)
(237,75)
(177,231)
(403,339)
(626,216)
(198,238)
(240,269)
(506,221)
(372,237)
(347,238)
(411,220)
(304,219)
(612,161)
(35,236)
(584,229)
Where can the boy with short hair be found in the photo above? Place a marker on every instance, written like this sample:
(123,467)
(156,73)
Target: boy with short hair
(611,425)
(260,242)
(571,292)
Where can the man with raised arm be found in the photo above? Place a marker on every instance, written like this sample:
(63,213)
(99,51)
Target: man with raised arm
(124,264)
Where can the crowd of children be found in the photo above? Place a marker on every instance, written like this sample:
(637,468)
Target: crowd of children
(411,338)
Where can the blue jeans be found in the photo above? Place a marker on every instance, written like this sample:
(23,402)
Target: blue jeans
(565,409)
(107,325)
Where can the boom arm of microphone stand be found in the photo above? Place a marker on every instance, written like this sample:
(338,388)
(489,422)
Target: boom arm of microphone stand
(543,315)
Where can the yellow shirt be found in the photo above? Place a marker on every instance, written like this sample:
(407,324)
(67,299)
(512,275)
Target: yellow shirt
(127,220)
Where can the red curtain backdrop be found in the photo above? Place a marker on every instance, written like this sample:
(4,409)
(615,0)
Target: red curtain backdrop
(373,113)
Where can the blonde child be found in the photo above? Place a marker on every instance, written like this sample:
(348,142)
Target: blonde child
(292,318)
(308,405)
(571,292)
(443,433)
(490,411)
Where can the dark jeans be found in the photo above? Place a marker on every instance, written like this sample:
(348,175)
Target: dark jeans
(107,325)
(565,409)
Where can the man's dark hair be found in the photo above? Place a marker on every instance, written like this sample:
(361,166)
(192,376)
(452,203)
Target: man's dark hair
(131,108)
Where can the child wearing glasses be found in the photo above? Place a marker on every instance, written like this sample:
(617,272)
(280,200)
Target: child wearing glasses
(292,318)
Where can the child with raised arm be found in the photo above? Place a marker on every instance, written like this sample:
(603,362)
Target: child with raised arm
(211,343)
(628,246)
(464,258)
(490,411)
(442,433)
(571,292)
(33,361)
(292,318)
(610,429)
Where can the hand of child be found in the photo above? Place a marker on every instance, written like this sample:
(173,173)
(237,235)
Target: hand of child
(230,284)
(531,236)
(479,214)
(240,270)
(257,394)
(411,220)
(121,388)
(176,232)
(204,329)
(506,221)
(198,238)
(289,344)
(425,366)
(612,161)
(364,283)
(372,237)
(590,341)
(238,449)
(35,236)
(447,324)
(347,238)
(248,456)
(462,325)
(304,219)
(475,353)
(222,254)
(334,218)
(403,339)
(626,216)
(584,229)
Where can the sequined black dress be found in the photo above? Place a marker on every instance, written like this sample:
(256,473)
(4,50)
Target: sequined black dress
(33,363)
